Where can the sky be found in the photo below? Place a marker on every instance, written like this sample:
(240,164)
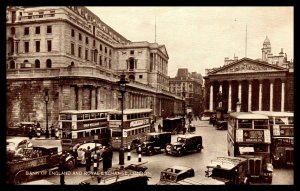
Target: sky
(199,38)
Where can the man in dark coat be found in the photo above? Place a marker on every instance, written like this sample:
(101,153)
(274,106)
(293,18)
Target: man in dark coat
(62,167)
(88,158)
(105,156)
(110,156)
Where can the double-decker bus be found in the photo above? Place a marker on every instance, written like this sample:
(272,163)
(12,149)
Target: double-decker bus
(248,136)
(136,125)
(282,137)
(80,126)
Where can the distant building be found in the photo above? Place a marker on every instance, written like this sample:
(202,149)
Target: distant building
(262,84)
(191,84)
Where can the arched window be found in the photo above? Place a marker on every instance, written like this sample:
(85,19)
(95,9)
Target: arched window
(12,64)
(131,77)
(72,64)
(48,63)
(37,64)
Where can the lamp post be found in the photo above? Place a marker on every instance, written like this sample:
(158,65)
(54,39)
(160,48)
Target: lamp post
(184,109)
(46,99)
(122,88)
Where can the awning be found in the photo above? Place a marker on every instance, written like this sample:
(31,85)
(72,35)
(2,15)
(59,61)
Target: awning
(246,149)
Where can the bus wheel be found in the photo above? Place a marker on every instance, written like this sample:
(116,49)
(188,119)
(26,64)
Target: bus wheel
(20,177)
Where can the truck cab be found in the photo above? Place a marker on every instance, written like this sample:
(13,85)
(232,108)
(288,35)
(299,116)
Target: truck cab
(229,170)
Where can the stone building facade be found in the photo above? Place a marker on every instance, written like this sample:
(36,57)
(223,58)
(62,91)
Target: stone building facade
(265,84)
(79,59)
(191,84)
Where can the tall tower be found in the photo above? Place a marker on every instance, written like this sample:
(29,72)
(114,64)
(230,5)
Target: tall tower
(266,49)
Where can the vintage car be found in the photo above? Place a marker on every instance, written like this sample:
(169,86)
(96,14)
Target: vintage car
(82,148)
(185,144)
(206,115)
(14,143)
(221,125)
(22,129)
(155,142)
(175,174)
(228,170)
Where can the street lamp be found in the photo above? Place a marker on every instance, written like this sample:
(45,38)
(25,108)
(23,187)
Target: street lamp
(122,88)
(184,110)
(46,99)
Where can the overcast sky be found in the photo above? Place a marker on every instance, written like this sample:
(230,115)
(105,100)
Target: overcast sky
(199,38)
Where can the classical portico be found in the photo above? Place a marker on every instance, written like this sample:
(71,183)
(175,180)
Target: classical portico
(259,86)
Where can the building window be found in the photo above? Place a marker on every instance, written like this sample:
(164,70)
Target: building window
(37,64)
(72,64)
(80,37)
(94,43)
(49,45)
(105,62)
(12,30)
(105,49)
(109,64)
(86,40)
(109,52)
(92,55)
(79,52)
(72,33)
(86,54)
(49,29)
(37,46)
(131,51)
(100,47)
(100,60)
(141,76)
(37,30)
(48,63)
(131,64)
(26,47)
(26,31)
(72,49)
(12,64)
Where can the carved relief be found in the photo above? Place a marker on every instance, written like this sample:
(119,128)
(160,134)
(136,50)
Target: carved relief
(245,67)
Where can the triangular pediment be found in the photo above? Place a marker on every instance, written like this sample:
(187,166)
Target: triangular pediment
(246,65)
(163,49)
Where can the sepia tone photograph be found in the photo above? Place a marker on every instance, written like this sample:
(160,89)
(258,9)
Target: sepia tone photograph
(108,95)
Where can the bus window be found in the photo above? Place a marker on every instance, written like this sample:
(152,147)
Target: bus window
(86,116)
(63,116)
(291,120)
(282,121)
(79,116)
(98,131)
(80,134)
(97,115)
(87,134)
(69,117)
(118,117)
(245,123)
(260,124)
(92,115)
(260,148)
(116,133)
(93,132)
(128,133)
(103,115)
(129,116)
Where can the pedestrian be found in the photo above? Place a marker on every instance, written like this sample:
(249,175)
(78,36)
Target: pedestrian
(105,158)
(30,133)
(88,159)
(52,130)
(159,128)
(75,155)
(184,130)
(110,156)
(62,167)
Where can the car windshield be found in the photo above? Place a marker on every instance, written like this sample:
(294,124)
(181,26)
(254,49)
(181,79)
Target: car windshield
(181,140)
(168,176)
(221,173)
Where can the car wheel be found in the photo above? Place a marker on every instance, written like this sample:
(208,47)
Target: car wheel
(150,152)
(70,164)
(20,177)
(180,153)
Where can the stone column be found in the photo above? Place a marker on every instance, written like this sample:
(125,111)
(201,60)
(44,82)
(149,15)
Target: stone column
(229,96)
(93,98)
(98,97)
(240,91)
(211,97)
(271,95)
(250,96)
(79,97)
(282,95)
(260,96)
(220,87)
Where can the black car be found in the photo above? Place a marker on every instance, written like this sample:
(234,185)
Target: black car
(155,142)
(185,144)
